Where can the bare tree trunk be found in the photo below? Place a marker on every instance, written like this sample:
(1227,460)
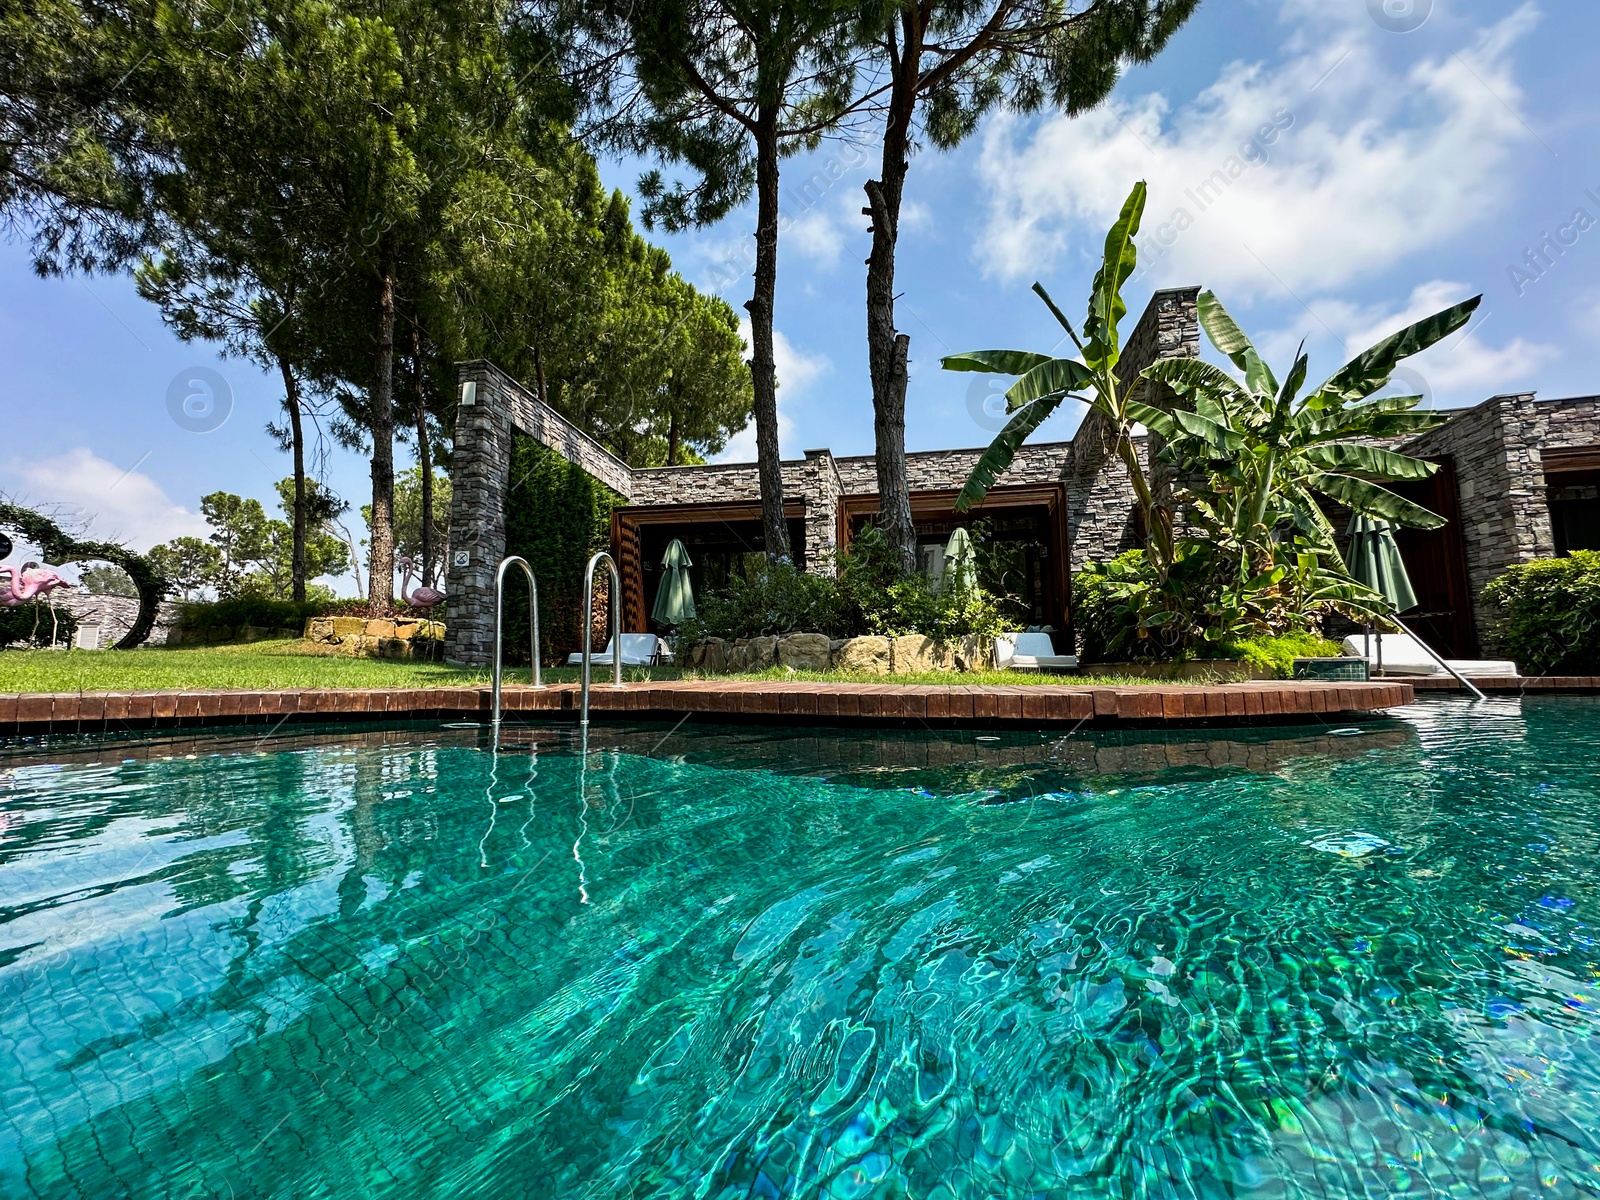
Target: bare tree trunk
(297,441)
(763,367)
(424,453)
(672,439)
(887,349)
(380,417)
(538,368)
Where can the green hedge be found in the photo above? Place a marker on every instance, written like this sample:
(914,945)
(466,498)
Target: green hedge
(557,516)
(1548,616)
(263,612)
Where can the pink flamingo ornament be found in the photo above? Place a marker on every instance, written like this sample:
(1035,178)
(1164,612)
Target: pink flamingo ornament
(33,581)
(425,598)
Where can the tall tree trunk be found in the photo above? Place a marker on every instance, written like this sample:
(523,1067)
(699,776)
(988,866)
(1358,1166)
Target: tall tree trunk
(380,416)
(763,367)
(887,349)
(424,453)
(672,439)
(538,368)
(297,443)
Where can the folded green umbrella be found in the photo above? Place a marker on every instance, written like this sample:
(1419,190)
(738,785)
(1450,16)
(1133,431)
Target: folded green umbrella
(1374,559)
(675,597)
(960,564)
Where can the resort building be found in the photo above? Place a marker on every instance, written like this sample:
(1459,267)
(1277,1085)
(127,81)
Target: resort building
(1519,478)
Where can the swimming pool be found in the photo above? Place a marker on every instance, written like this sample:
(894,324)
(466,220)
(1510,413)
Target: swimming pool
(745,961)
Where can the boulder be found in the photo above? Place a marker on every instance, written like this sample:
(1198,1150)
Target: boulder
(753,654)
(974,653)
(915,653)
(343,627)
(712,656)
(866,655)
(319,629)
(804,652)
(379,628)
(407,629)
(255,633)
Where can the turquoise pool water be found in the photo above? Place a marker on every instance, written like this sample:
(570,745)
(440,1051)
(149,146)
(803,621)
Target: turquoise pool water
(759,962)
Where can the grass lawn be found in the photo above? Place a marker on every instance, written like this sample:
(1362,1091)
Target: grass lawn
(291,665)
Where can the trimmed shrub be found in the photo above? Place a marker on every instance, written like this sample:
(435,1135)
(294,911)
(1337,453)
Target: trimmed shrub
(226,617)
(1276,654)
(1549,614)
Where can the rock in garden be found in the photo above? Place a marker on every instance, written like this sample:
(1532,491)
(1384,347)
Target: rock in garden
(804,652)
(867,655)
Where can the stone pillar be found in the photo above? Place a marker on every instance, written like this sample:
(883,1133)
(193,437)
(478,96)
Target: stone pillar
(480,469)
(1505,518)
(821,487)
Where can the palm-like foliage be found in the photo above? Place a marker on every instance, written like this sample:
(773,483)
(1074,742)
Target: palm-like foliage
(1044,381)
(1268,452)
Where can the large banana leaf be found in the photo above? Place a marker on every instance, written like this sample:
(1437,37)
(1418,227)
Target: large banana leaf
(1370,370)
(1106,306)
(1192,376)
(1368,498)
(995,362)
(1004,448)
(1053,375)
(1157,421)
(1369,460)
(1227,337)
(1216,435)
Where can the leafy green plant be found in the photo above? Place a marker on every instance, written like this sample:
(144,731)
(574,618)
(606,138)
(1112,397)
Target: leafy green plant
(248,610)
(1549,614)
(1267,453)
(1045,381)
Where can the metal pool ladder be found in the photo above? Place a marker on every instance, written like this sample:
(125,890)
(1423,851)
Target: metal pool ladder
(588,633)
(499,620)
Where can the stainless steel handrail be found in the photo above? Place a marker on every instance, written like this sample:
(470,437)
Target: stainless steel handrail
(499,620)
(587,633)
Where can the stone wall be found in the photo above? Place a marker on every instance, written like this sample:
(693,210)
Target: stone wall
(490,406)
(1497,448)
(115,615)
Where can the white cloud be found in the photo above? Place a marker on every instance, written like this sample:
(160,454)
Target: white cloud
(1463,369)
(105,502)
(796,371)
(1323,168)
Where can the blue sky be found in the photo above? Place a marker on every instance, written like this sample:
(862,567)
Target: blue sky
(1407,168)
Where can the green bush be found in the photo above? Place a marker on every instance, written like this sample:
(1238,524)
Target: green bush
(871,595)
(263,612)
(1548,616)
(1104,625)
(28,625)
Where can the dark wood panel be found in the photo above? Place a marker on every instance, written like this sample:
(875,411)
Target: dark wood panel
(1436,560)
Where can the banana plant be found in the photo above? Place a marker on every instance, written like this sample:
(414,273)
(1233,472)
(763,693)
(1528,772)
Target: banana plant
(1268,452)
(1044,382)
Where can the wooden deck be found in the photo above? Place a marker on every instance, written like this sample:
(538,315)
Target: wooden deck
(1019,706)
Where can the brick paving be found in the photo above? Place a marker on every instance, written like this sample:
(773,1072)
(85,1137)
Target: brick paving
(1021,705)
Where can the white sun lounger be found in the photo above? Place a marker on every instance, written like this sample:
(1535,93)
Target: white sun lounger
(1404,655)
(638,650)
(1030,652)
